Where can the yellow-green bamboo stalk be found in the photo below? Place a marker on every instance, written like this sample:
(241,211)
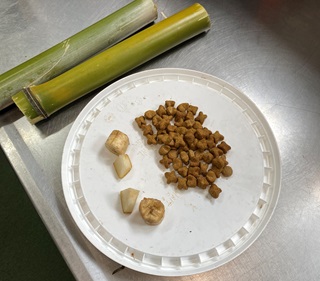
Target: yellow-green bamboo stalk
(40,101)
(79,47)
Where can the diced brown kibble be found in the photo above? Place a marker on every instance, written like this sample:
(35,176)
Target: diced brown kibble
(181,130)
(224,147)
(140,121)
(164,149)
(214,191)
(216,171)
(184,157)
(207,157)
(166,161)
(227,171)
(210,143)
(173,154)
(194,171)
(191,181)
(147,130)
(165,139)
(216,151)
(177,163)
(163,124)
(178,141)
(217,136)
(149,114)
(193,109)
(183,171)
(182,183)
(201,133)
(189,116)
(199,154)
(151,139)
(183,107)
(188,123)
(161,110)
(191,153)
(194,161)
(202,144)
(201,117)
(169,103)
(180,115)
(197,125)
(192,130)
(179,123)
(193,145)
(171,128)
(171,110)
(189,137)
(167,117)
(218,162)
(155,120)
(203,168)
(171,177)
(211,176)
(202,182)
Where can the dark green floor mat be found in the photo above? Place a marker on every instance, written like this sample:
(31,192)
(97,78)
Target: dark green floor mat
(27,252)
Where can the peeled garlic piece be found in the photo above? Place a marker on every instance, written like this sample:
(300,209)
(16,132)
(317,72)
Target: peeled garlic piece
(122,165)
(128,199)
(152,210)
(117,142)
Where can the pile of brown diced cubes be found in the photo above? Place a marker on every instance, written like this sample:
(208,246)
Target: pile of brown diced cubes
(196,155)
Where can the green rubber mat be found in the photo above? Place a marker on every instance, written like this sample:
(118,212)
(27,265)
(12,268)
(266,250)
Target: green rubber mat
(27,251)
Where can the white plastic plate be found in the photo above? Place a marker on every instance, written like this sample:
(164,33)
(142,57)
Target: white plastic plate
(198,233)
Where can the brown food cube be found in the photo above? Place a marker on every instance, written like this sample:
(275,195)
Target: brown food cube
(193,109)
(183,106)
(151,139)
(214,191)
(171,177)
(149,114)
(183,171)
(166,161)
(164,149)
(173,154)
(194,171)
(191,181)
(140,121)
(184,157)
(217,136)
(161,110)
(224,147)
(227,171)
(201,117)
(203,168)
(147,130)
(177,163)
(169,103)
(182,183)
(211,176)
(202,182)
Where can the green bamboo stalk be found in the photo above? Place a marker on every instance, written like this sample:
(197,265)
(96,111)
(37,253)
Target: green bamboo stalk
(40,101)
(77,48)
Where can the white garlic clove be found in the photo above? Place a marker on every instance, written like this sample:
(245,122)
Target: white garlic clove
(128,199)
(122,165)
(117,142)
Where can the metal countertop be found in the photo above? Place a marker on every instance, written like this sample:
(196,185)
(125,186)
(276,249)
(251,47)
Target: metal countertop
(269,49)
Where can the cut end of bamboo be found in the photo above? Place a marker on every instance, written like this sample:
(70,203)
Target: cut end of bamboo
(23,103)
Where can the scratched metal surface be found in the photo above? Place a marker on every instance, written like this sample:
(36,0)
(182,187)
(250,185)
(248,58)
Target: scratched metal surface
(269,49)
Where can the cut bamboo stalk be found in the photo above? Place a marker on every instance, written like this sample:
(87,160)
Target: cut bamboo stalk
(40,101)
(79,47)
